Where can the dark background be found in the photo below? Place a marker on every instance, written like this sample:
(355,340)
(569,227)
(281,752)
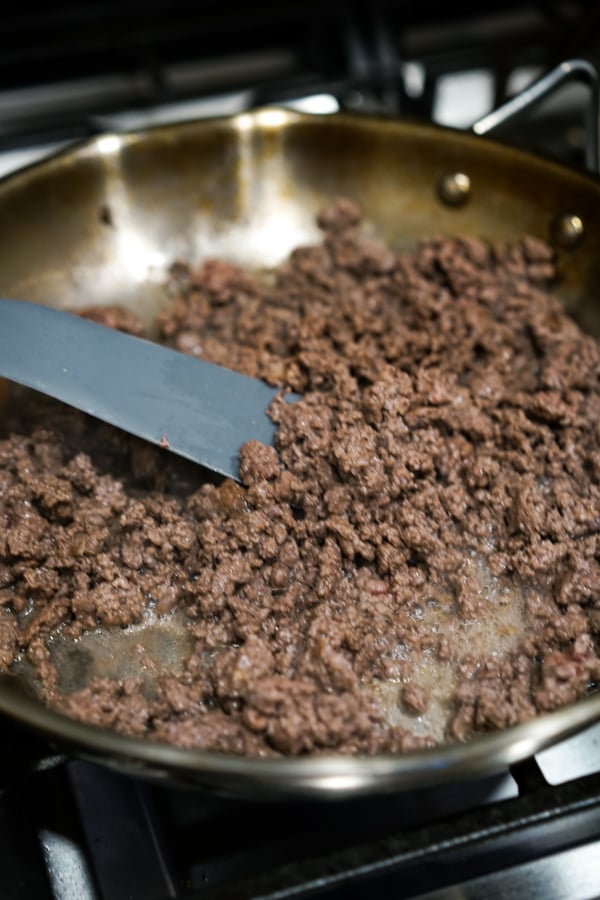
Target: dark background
(101,57)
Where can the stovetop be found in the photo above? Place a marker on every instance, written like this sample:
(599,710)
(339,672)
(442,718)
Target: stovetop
(73,830)
(69,70)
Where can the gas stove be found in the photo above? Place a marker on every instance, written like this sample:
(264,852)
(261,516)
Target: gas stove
(72,829)
(73,70)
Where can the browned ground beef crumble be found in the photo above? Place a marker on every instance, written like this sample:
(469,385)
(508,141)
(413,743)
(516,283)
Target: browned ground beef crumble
(424,538)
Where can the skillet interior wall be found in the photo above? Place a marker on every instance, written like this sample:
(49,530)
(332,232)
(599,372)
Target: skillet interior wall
(101,223)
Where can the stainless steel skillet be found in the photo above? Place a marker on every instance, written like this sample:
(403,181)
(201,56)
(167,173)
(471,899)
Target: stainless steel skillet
(101,222)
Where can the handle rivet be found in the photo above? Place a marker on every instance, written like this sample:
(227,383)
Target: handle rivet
(454,189)
(568,231)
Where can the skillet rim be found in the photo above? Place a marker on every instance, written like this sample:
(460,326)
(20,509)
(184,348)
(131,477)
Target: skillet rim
(327,775)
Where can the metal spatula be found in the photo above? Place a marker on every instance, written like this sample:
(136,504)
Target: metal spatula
(201,411)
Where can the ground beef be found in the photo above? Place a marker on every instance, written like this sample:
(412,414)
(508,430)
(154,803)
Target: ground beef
(9,637)
(416,561)
(114,317)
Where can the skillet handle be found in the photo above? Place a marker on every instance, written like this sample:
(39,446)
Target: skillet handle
(569,70)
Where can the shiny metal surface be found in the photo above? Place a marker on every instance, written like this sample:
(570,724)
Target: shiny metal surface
(334,777)
(569,70)
(198,410)
(574,757)
(569,232)
(455,189)
(102,222)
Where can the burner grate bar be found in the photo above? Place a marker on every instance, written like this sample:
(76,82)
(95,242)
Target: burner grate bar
(574,874)
(126,855)
(67,868)
(543,825)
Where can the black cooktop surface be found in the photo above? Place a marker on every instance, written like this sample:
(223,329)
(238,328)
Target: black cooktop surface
(72,829)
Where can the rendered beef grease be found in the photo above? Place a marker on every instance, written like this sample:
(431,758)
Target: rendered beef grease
(415,562)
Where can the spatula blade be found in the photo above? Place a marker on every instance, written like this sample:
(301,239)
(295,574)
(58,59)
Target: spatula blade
(196,409)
